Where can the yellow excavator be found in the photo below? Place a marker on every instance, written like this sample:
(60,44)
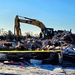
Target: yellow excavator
(46,32)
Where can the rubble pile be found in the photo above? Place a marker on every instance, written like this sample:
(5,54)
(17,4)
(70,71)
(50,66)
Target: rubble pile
(64,41)
(59,41)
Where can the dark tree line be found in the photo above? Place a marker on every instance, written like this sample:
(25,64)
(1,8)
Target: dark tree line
(8,36)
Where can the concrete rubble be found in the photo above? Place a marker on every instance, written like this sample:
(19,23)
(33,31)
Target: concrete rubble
(64,41)
(19,64)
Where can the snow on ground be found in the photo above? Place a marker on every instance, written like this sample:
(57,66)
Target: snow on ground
(35,70)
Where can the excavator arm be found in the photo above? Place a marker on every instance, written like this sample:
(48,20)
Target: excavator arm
(28,21)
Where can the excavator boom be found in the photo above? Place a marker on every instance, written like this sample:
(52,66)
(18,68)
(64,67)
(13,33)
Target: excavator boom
(31,22)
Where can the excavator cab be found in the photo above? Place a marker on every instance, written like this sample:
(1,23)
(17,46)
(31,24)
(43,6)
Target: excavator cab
(49,33)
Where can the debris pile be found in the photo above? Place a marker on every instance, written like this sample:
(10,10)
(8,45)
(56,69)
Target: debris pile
(64,41)
(59,40)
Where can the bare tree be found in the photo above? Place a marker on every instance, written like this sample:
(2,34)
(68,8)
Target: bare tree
(10,35)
